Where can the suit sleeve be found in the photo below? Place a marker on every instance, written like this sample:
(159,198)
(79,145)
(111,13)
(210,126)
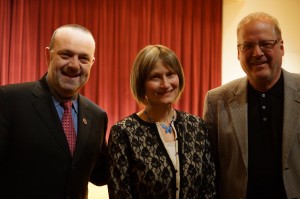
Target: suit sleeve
(99,175)
(208,117)
(5,128)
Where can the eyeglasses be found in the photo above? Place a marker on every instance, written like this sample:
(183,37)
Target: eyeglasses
(264,45)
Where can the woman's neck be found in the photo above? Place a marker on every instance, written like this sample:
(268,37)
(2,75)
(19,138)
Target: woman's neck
(158,114)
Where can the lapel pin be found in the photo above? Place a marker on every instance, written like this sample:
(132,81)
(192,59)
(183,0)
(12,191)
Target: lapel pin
(84,121)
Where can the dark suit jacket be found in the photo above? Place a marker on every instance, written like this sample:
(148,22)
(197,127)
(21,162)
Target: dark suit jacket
(225,111)
(35,161)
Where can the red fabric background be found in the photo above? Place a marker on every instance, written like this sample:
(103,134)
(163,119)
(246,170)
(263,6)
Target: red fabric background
(191,28)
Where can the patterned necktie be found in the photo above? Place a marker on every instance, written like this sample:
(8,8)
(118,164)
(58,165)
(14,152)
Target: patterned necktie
(68,125)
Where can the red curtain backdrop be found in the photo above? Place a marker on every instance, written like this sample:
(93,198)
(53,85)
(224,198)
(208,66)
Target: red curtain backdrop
(191,28)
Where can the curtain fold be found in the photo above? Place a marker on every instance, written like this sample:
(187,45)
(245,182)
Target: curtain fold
(5,39)
(191,28)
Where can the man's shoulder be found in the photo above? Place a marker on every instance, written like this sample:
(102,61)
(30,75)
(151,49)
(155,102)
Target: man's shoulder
(18,88)
(291,80)
(291,76)
(90,104)
(230,86)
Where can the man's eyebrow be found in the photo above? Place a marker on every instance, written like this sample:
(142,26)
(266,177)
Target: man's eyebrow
(72,52)
(65,51)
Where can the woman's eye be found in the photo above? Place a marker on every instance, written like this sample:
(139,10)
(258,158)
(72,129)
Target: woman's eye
(154,77)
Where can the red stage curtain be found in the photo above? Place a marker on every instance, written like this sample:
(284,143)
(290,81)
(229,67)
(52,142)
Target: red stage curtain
(191,28)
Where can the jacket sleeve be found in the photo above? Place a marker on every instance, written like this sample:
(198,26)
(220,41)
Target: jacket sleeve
(212,136)
(119,176)
(99,175)
(5,127)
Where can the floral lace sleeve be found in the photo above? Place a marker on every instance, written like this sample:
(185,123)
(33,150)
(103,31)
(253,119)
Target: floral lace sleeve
(119,179)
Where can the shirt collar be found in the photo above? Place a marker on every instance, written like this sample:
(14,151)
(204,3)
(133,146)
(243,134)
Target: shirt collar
(74,102)
(276,90)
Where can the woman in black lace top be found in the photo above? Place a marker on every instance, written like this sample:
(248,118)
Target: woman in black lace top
(159,152)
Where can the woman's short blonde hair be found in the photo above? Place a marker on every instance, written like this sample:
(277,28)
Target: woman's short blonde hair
(143,65)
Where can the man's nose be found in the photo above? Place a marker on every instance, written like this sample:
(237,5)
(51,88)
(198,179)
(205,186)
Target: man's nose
(257,50)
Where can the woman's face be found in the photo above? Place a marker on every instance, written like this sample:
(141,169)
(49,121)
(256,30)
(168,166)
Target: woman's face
(162,85)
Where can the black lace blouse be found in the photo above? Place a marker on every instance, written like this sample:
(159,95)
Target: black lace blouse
(140,166)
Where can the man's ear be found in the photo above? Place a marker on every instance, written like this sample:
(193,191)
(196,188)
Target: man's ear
(47,53)
(93,60)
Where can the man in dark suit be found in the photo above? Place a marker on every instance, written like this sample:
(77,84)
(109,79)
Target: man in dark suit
(35,157)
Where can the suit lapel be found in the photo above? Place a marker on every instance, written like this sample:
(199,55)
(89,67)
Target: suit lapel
(44,106)
(84,124)
(290,116)
(238,110)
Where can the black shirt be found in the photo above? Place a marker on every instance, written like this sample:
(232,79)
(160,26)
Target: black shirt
(265,121)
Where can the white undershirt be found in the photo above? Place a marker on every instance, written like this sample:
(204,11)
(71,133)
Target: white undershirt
(172,149)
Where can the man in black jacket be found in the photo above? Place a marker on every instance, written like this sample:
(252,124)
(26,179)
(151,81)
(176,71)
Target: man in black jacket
(35,157)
